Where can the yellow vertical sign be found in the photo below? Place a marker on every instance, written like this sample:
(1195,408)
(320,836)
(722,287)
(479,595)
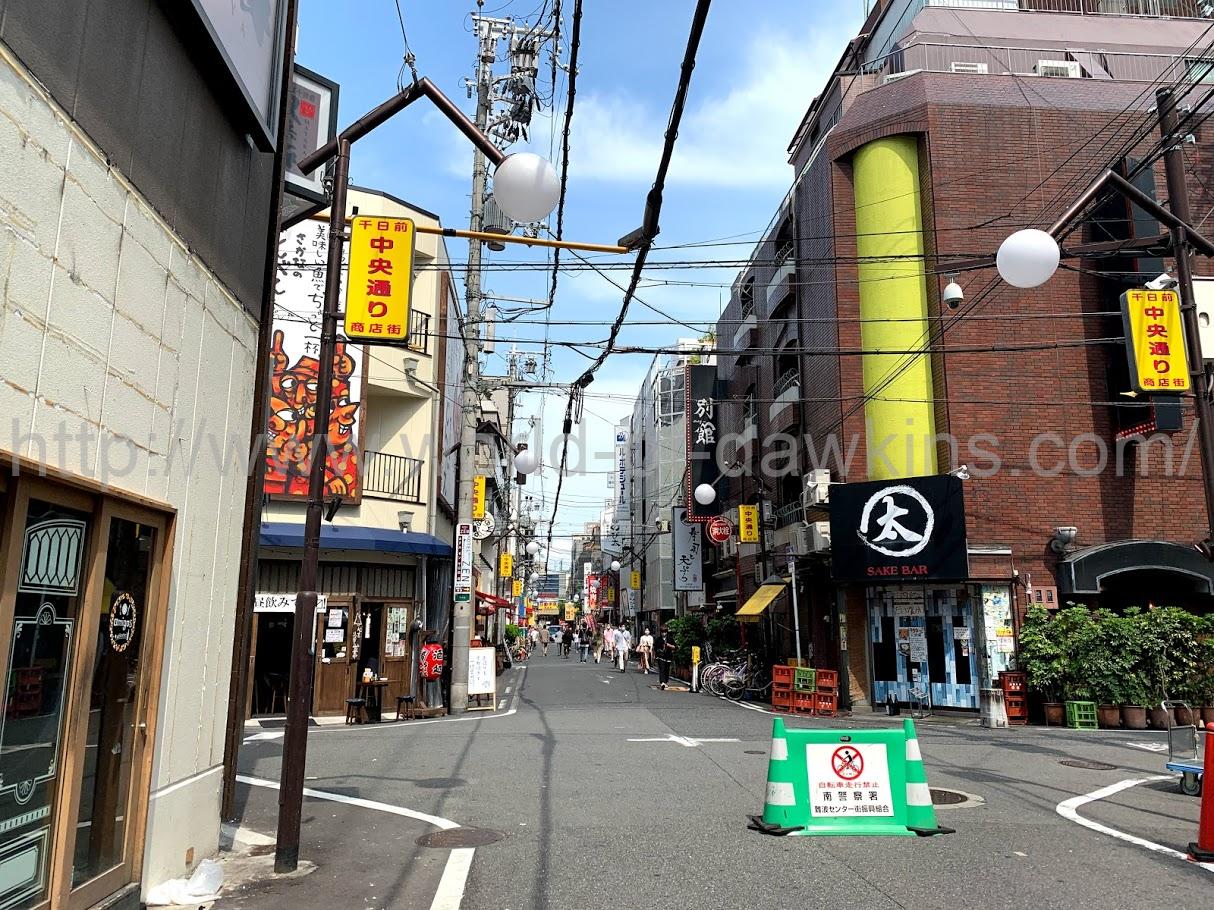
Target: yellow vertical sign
(380,282)
(748,524)
(1155,342)
(611,595)
(636,580)
(478,497)
(505,565)
(517,588)
(570,612)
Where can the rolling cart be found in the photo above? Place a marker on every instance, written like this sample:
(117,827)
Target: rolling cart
(1184,754)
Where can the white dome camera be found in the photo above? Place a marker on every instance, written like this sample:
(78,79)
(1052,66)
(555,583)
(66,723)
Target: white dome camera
(953,295)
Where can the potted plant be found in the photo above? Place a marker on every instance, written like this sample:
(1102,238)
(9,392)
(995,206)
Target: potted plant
(1135,693)
(1170,657)
(1042,660)
(1110,664)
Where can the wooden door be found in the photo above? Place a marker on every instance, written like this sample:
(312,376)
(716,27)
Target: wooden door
(333,676)
(397,650)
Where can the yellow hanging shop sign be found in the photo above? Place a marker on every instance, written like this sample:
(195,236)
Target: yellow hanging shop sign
(380,281)
(1155,342)
(517,588)
(478,497)
(636,580)
(505,565)
(748,524)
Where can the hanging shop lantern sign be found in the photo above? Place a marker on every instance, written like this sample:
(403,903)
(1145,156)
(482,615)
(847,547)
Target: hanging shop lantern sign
(430,661)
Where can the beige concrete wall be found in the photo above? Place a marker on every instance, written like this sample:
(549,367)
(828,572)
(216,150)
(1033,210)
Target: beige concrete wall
(118,341)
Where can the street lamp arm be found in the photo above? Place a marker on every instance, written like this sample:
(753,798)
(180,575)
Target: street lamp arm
(394,105)
(1112,180)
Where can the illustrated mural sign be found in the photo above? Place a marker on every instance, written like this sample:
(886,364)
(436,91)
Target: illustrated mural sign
(295,370)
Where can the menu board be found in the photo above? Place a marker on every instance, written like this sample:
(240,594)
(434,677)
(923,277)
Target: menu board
(396,640)
(482,676)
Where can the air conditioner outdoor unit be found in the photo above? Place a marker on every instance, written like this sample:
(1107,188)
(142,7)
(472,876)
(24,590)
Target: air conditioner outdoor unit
(894,77)
(817,487)
(965,66)
(799,543)
(729,549)
(1063,69)
(663,525)
(819,533)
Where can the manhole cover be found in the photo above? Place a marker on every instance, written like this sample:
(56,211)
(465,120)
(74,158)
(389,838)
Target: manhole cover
(947,797)
(440,783)
(755,752)
(459,837)
(1087,765)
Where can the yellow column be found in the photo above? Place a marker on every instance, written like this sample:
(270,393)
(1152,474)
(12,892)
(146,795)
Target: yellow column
(899,416)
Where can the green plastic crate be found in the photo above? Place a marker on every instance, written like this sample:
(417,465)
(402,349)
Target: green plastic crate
(804,679)
(1081,715)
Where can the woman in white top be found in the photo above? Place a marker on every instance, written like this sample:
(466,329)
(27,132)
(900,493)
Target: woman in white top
(645,650)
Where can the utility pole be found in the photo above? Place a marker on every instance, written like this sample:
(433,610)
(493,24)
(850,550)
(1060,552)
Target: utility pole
(1178,202)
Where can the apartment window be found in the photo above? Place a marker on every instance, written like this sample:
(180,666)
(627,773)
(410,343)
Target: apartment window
(669,400)
(1199,69)
(419,332)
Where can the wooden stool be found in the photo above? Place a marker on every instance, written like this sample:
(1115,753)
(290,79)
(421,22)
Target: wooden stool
(405,705)
(354,710)
(278,691)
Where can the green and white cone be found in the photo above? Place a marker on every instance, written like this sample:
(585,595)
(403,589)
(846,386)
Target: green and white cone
(780,806)
(920,813)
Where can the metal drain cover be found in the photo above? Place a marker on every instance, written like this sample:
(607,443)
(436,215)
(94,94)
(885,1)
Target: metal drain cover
(947,797)
(459,837)
(439,783)
(1087,765)
(755,751)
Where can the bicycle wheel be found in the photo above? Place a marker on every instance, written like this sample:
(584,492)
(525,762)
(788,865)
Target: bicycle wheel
(733,687)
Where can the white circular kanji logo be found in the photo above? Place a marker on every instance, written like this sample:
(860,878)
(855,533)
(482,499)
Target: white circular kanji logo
(897,521)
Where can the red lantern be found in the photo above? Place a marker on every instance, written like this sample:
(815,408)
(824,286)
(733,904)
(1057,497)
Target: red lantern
(430,663)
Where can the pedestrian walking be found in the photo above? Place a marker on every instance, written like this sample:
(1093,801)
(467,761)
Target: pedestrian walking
(645,651)
(664,648)
(609,643)
(545,637)
(566,641)
(622,643)
(599,641)
(584,645)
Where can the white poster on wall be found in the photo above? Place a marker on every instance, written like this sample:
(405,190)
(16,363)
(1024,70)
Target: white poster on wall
(687,542)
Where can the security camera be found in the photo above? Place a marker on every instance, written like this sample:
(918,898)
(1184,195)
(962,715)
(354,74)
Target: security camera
(1164,282)
(953,295)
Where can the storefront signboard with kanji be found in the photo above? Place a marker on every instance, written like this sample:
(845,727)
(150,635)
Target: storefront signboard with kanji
(748,524)
(686,547)
(702,431)
(1155,342)
(380,281)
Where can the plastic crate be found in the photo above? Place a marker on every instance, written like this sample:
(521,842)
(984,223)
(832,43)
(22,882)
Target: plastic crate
(826,705)
(828,679)
(782,675)
(805,702)
(781,699)
(1081,715)
(1012,680)
(804,680)
(1017,709)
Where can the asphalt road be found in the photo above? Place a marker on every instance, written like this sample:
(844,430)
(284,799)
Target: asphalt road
(588,818)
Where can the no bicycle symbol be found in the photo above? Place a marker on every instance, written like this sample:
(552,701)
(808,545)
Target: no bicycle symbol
(847,762)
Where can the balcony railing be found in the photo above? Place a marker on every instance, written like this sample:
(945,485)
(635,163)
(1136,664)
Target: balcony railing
(419,332)
(394,476)
(788,379)
(788,513)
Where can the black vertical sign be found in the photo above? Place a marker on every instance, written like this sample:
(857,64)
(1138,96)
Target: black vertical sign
(702,432)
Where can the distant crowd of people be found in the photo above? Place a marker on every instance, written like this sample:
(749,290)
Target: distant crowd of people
(607,641)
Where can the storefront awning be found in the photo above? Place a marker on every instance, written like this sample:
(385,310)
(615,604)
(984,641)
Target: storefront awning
(347,537)
(759,601)
(1093,569)
(493,600)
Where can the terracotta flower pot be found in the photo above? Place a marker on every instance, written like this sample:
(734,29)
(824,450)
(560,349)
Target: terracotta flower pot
(1054,713)
(1161,718)
(1207,714)
(1108,716)
(1186,715)
(1134,717)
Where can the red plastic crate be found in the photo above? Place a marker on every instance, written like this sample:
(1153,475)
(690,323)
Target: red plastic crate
(782,675)
(804,702)
(828,679)
(826,705)
(781,698)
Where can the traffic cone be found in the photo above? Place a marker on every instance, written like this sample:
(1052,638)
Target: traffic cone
(782,814)
(1202,849)
(920,813)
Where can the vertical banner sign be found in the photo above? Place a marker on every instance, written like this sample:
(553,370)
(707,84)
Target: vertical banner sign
(517,588)
(586,582)
(478,497)
(636,580)
(700,389)
(505,566)
(1154,337)
(613,540)
(299,296)
(463,562)
(748,524)
(622,525)
(688,565)
(381,280)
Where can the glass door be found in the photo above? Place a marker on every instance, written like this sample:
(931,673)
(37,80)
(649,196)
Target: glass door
(48,536)
(119,674)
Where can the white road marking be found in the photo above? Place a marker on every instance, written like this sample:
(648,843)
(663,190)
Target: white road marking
(689,742)
(265,736)
(1068,809)
(451,886)
(455,879)
(500,703)
(1150,747)
(508,689)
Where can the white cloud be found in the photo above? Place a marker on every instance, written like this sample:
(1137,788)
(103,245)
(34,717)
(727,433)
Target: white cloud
(737,139)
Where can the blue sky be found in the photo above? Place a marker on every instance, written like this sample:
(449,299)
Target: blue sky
(759,66)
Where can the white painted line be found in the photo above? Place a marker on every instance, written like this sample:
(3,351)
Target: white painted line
(444,824)
(187,781)
(1150,747)
(508,688)
(455,879)
(687,741)
(501,702)
(1068,809)
(256,737)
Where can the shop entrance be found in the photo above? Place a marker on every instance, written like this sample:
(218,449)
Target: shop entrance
(923,638)
(273,634)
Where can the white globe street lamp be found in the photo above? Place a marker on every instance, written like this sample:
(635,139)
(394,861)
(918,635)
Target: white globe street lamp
(535,576)
(526,187)
(615,565)
(525,462)
(532,548)
(1028,258)
(705,494)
